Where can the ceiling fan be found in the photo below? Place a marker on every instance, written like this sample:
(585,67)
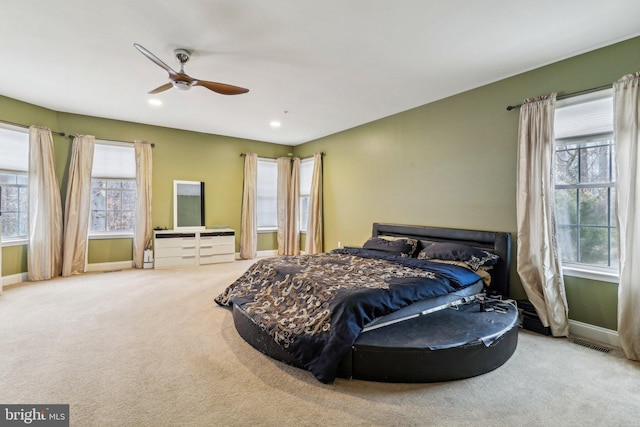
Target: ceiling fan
(183,81)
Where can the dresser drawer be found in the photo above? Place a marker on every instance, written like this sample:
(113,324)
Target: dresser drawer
(176,242)
(186,261)
(176,252)
(215,258)
(217,240)
(213,249)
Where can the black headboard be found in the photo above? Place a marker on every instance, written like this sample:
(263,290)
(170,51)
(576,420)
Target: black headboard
(498,243)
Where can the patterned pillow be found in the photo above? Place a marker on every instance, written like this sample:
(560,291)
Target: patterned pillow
(399,247)
(473,257)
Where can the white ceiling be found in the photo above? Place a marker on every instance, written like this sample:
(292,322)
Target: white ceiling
(318,66)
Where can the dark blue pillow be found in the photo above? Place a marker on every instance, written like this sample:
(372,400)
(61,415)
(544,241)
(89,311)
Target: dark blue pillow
(399,247)
(473,257)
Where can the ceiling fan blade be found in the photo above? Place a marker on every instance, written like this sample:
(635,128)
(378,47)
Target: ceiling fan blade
(162,88)
(183,81)
(221,88)
(156,60)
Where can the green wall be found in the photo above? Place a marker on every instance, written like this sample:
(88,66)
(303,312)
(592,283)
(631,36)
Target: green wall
(452,163)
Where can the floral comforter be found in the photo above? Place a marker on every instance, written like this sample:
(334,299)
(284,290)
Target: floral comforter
(315,306)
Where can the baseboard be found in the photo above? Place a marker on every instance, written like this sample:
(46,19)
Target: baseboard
(272,252)
(13,279)
(594,333)
(261,254)
(109,266)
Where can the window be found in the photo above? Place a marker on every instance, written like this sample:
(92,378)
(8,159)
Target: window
(113,190)
(14,190)
(585,184)
(306,174)
(267,195)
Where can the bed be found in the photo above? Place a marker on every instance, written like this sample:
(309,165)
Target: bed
(383,311)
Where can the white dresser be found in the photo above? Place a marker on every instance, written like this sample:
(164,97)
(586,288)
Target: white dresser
(178,248)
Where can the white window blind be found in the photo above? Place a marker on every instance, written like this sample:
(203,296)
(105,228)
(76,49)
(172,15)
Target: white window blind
(14,150)
(306,174)
(590,114)
(267,194)
(113,161)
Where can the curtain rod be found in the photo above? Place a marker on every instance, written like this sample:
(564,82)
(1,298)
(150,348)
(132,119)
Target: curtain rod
(288,154)
(569,95)
(113,140)
(27,127)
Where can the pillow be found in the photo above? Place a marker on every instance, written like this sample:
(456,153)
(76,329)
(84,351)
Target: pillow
(399,246)
(483,272)
(473,257)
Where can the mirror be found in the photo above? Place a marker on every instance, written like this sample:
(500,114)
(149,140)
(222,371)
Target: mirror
(188,204)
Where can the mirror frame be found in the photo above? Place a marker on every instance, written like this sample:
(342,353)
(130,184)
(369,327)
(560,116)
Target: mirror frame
(200,184)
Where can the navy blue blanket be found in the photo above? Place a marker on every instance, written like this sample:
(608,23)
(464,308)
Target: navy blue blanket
(315,306)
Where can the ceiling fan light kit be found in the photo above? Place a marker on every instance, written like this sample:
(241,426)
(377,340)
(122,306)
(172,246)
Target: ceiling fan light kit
(182,85)
(180,80)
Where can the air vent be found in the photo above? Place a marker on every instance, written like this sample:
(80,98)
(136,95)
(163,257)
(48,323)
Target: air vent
(591,345)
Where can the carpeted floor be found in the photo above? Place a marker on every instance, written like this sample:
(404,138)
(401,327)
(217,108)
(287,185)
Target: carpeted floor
(151,348)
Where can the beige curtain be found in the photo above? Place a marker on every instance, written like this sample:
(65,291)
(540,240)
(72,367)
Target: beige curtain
(314,229)
(143,228)
(249,225)
(288,205)
(44,259)
(77,206)
(626,113)
(293,215)
(284,183)
(538,263)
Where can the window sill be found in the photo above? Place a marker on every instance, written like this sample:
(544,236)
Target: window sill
(16,242)
(110,236)
(275,230)
(583,272)
(22,242)
(267,230)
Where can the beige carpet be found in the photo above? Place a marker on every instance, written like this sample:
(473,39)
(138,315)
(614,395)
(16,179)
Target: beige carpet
(151,348)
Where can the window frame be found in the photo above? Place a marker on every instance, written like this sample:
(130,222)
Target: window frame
(118,234)
(18,240)
(578,269)
(115,234)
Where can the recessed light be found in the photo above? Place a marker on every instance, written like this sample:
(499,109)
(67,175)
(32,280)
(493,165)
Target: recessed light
(275,124)
(155,102)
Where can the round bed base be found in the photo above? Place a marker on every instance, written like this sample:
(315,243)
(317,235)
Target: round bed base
(441,346)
